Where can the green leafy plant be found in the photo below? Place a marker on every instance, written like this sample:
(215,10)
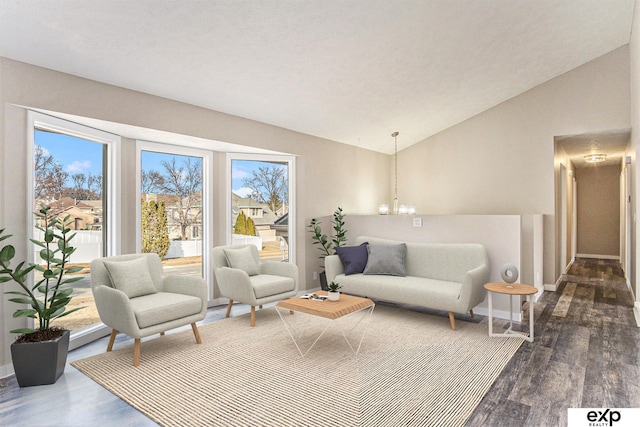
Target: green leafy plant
(49,296)
(320,239)
(339,233)
(339,238)
(334,287)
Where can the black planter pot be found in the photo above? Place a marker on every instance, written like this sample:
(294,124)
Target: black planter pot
(323,281)
(40,363)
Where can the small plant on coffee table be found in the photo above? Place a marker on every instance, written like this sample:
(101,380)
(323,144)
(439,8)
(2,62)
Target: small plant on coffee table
(334,287)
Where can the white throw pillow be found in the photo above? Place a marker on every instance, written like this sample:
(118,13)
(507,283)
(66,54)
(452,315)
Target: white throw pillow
(242,259)
(131,277)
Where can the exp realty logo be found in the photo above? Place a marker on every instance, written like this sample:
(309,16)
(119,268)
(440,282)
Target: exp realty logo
(603,417)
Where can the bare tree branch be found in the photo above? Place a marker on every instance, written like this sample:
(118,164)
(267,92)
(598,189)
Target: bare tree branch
(152,181)
(268,185)
(50,176)
(184,180)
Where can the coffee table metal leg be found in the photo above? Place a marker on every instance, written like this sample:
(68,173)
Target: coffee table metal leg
(292,334)
(365,315)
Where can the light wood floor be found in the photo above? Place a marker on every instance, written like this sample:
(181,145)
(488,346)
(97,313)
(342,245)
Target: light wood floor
(586,354)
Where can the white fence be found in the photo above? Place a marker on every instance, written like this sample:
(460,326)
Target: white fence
(184,248)
(243,239)
(88,246)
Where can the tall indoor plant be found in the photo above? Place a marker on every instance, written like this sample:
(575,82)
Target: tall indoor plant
(325,245)
(39,354)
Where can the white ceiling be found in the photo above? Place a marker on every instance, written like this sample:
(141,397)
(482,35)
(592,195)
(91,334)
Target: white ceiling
(351,71)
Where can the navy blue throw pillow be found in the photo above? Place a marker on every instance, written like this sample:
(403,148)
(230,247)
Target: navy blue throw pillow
(354,258)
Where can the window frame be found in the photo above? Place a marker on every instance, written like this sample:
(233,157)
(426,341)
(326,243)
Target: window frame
(111,194)
(206,232)
(291,173)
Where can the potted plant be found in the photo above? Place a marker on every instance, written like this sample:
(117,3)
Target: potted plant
(324,244)
(333,291)
(39,354)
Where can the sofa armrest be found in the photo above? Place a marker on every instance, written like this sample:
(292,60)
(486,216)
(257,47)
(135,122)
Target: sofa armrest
(333,266)
(186,285)
(277,268)
(236,285)
(114,309)
(473,286)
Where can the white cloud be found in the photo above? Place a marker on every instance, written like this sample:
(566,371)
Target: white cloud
(78,166)
(239,174)
(243,191)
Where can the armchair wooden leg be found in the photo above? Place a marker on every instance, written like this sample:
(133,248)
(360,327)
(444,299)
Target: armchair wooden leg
(161,333)
(471,313)
(112,339)
(136,352)
(196,333)
(229,308)
(291,311)
(452,320)
(253,315)
(260,306)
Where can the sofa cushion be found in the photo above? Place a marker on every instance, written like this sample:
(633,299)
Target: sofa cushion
(386,259)
(266,285)
(354,258)
(162,307)
(242,259)
(131,277)
(437,294)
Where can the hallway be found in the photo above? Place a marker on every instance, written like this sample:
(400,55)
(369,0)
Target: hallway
(586,353)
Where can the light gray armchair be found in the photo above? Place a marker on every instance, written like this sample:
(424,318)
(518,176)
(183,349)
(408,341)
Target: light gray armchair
(134,297)
(242,277)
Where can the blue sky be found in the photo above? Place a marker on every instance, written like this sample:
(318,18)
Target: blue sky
(82,156)
(243,169)
(76,154)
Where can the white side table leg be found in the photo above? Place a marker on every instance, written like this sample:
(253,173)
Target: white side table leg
(490,314)
(530,318)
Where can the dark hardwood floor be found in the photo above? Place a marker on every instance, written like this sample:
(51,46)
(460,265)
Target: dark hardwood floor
(586,353)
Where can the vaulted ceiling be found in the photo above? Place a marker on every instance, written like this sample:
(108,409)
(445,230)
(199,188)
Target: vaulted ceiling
(351,71)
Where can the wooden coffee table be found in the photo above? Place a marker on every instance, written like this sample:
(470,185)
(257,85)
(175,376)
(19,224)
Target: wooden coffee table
(511,289)
(331,310)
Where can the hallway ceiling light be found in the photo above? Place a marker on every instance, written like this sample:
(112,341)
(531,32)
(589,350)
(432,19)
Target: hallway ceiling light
(595,158)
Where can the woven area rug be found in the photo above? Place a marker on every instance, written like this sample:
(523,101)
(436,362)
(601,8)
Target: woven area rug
(412,370)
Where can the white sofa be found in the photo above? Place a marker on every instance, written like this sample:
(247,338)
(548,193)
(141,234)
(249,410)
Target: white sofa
(441,276)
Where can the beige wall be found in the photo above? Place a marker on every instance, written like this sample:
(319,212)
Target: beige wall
(328,174)
(502,160)
(598,210)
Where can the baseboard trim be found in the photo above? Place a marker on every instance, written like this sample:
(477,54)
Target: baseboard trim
(6,371)
(498,314)
(554,286)
(636,312)
(537,296)
(595,256)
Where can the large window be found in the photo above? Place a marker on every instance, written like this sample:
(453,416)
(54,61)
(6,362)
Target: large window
(70,175)
(261,204)
(174,217)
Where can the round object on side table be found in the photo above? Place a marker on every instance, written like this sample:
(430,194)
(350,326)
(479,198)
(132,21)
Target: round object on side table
(509,273)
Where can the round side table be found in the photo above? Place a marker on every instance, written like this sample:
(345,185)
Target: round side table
(511,289)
